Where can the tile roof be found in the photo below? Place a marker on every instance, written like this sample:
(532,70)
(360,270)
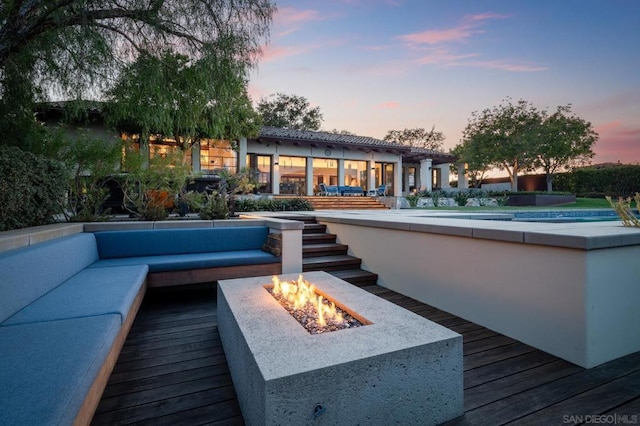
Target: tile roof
(328,138)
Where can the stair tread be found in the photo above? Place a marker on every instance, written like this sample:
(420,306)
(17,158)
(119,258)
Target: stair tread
(323,236)
(353,273)
(324,245)
(332,258)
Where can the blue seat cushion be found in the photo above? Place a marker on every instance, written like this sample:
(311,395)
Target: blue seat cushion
(46,369)
(93,291)
(157,242)
(29,272)
(192,261)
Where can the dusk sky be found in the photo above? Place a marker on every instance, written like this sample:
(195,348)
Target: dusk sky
(377,65)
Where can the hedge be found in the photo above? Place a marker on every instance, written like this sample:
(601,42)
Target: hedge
(31,189)
(615,181)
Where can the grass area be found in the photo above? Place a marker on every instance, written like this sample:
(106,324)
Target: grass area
(589,203)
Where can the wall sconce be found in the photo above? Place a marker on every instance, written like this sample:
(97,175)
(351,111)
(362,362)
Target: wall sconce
(276,163)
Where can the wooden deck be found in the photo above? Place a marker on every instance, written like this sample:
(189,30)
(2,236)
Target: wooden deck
(172,370)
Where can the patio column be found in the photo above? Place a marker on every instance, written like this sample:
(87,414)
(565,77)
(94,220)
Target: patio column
(397,179)
(309,177)
(462,177)
(444,175)
(242,153)
(371,170)
(195,158)
(425,174)
(275,181)
(341,172)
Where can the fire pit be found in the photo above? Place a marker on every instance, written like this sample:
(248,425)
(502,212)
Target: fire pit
(397,367)
(316,312)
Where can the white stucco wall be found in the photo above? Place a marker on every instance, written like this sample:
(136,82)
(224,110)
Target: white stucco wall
(580,305)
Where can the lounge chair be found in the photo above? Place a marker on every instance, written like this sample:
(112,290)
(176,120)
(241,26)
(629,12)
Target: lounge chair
(328,190)
(380,191)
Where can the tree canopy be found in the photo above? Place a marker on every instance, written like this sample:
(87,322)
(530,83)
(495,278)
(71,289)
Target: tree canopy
(289,112)
(564,140)
(520,137)
(171,96)
(418,137)
(77,49)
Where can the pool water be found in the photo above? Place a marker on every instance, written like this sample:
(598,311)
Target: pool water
(559,216)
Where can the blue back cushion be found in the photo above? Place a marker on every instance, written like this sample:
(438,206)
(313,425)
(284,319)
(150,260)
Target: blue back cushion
(155,242)
(29,272)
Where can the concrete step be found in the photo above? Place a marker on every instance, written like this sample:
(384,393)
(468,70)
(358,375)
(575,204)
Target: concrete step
(345,203)
(314,228)
(325,249)
(357,277)
(330,263)
(318,238)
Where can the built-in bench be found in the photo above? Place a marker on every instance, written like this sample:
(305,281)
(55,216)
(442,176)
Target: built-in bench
(67,304)
(189,256)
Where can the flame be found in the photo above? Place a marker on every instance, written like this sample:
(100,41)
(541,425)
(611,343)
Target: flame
(303,296)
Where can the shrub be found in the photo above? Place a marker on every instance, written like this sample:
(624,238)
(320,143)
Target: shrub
(150,191)
(215,206)
(461,198)
(436,196)
(273,204)
(413,200)
(32,189)
(621,180)
(91,162)
(624,211)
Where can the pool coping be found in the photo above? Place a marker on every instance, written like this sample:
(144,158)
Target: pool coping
(574,235)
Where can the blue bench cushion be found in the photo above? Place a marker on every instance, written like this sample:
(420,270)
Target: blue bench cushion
(93,291)
(46,369)
(29,272)
(157,242)
(192,261)
(350,190)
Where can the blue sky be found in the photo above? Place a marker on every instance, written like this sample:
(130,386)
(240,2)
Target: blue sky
(377,65)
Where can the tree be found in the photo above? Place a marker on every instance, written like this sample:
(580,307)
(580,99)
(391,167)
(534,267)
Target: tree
(418,137)
(172,96)
(475,159)
(78,48)
(289,112)
(506,135)
(564,140)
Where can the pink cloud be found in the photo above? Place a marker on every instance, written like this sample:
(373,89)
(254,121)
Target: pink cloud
(484,17)
(469,26)
(431,45)
(438,36)
(507,66)
(292,16)
(273,52)
(618,142)
(387,105)
(444,57)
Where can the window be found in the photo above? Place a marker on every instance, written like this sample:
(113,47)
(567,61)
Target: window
(217,155)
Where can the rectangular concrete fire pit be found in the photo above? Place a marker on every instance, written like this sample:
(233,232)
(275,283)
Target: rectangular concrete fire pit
(400,369)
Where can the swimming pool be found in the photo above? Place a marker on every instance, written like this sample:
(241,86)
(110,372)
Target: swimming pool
(569,215)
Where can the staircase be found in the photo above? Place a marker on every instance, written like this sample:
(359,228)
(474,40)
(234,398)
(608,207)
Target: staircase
(345,203)
(321,252)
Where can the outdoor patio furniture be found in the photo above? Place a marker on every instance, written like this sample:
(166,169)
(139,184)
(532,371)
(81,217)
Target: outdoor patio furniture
(350,190)
(327,190)
(380,191)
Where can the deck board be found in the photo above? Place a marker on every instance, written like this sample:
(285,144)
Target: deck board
(172,370)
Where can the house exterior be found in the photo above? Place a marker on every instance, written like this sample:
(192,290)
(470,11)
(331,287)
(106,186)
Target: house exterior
(296,162)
